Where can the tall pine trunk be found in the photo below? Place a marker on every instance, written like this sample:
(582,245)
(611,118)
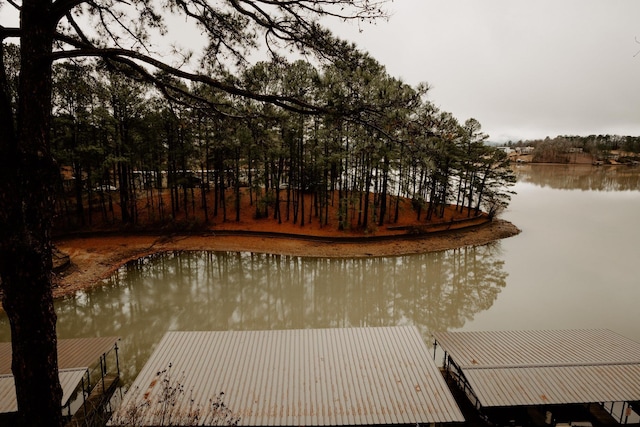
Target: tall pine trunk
(27,176)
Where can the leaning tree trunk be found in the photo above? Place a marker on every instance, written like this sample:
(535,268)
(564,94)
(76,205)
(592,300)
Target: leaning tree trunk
(27,174)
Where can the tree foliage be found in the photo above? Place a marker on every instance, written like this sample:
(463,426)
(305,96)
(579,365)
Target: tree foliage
(398,146)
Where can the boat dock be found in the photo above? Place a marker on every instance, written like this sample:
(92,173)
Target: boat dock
(88,371)
(553,377)
(314,377)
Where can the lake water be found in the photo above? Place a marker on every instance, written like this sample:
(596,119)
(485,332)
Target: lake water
(575,265)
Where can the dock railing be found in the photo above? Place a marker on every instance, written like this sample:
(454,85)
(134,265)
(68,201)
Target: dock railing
(90,404)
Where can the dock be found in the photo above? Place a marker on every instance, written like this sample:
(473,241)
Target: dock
(314,377)
(88,370)
(95,409)
(552,377)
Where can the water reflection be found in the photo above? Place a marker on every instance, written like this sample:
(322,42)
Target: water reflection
(245,291)
(580,177)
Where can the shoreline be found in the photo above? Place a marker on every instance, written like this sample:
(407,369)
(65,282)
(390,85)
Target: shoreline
(95,258)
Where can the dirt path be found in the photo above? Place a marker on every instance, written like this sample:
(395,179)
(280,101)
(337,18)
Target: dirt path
(95,258)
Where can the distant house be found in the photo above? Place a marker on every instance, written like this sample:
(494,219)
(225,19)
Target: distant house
(525,150)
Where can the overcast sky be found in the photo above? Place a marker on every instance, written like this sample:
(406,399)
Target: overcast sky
(524,69)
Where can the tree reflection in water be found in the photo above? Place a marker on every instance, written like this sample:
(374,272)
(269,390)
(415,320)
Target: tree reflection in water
(246,291)
(580,177)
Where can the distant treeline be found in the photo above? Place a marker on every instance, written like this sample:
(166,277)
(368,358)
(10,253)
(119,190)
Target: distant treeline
(600,147)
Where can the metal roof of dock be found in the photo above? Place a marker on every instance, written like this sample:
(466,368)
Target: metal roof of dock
(521,368)
(72,352)
(314,377)
(75,356)
(69,380)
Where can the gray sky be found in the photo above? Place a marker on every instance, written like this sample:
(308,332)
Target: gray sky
(524,69)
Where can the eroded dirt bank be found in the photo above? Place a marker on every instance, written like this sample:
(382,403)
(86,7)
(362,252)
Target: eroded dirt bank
(94,258)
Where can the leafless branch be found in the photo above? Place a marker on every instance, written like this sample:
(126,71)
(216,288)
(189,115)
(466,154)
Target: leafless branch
(14,4)
(9,32)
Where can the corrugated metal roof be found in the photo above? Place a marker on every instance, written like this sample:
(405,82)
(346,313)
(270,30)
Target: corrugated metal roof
(75,356)
(69,380)
(302,377)
(538,348)
(72,353)
(555,385)
(519,368)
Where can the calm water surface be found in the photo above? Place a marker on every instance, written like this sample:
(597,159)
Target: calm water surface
(575,265)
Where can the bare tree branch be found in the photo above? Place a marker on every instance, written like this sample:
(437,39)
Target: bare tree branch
(9,32)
